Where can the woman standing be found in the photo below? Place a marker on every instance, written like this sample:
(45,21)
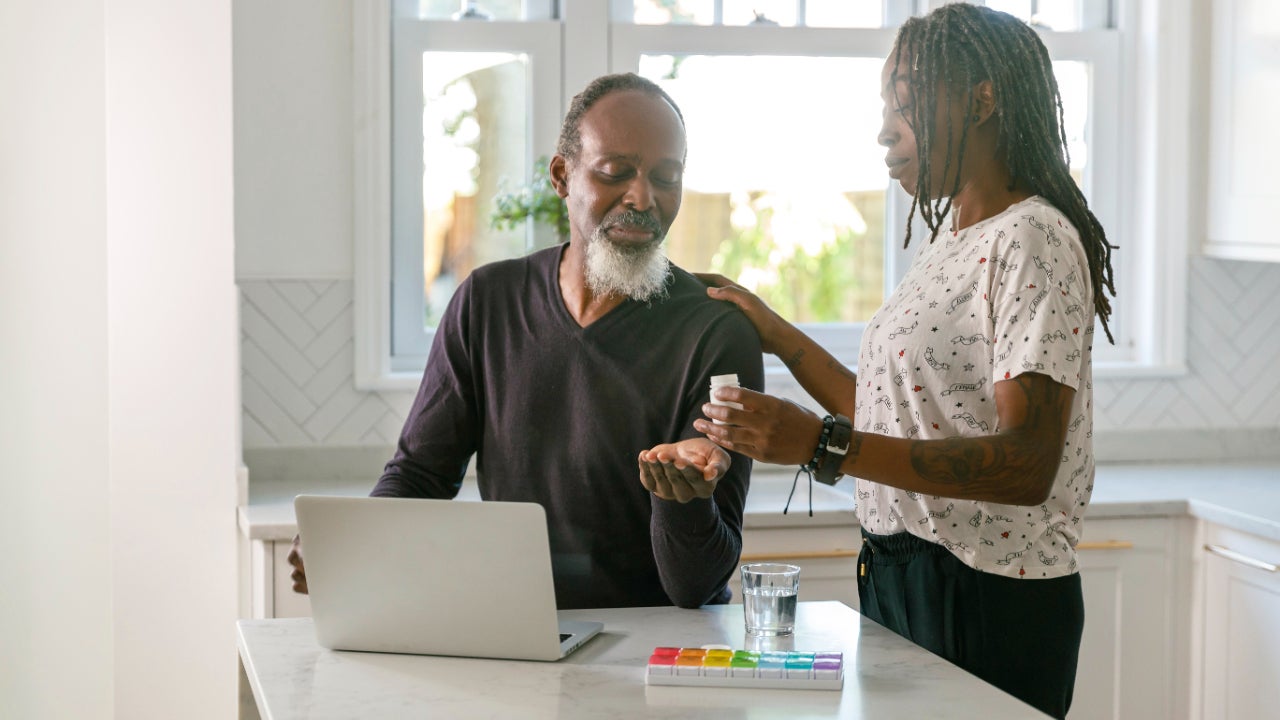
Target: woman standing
(969,423)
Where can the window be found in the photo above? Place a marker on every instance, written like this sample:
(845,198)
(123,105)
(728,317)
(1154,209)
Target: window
(785,189)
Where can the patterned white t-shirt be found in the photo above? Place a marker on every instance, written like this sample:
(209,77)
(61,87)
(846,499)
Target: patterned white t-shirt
(1002,297)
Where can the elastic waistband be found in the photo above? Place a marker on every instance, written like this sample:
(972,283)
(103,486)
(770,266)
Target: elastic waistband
(898,548)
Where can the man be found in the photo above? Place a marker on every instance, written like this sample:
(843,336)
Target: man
(556,369)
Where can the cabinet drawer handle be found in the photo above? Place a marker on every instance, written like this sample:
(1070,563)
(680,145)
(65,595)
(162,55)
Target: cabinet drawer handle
(1242,559)
(1105,545)
(771,557)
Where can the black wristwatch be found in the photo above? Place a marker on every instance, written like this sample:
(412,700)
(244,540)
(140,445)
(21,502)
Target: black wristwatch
(837,447)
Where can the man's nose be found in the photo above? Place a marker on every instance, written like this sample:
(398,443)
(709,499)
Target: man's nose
(639,194)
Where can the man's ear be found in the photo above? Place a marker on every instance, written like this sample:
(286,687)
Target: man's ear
(984,102)
(560,175)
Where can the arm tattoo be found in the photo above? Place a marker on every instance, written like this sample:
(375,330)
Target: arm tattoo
(842,369)
(959,461)
(1007,462)
(794,360)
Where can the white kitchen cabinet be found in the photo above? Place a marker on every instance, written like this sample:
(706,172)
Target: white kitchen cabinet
(1132,643)
(1244,87)
(1241,660)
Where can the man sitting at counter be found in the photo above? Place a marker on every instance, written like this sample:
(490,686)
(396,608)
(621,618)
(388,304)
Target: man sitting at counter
(556,369)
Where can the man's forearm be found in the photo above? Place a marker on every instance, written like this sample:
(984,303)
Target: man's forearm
(695,549)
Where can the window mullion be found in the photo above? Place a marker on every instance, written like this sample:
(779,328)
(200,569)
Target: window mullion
(584,49)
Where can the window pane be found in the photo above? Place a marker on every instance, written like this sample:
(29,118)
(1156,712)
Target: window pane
(844,13)
(769,12)
(453,9)
(667,12)
(1073,85)
(475,143)
(785,185)
(818,13)
(1059,15)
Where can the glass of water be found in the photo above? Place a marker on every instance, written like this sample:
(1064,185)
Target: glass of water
(769,598)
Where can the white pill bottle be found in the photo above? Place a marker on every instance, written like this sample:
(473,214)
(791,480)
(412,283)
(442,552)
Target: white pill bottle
(719,381)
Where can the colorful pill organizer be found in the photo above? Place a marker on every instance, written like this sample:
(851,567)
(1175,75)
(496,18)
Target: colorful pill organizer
(717,666)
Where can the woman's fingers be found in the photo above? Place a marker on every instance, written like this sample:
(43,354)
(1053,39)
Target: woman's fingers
(765,429)
(714,280)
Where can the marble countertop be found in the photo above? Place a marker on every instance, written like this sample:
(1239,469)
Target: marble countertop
(1241,496)
(886,676)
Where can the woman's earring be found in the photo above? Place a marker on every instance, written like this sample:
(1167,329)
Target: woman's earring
(976,118)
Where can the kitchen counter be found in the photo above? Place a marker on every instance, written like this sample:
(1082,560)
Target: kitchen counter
(1243,496)
(886,676)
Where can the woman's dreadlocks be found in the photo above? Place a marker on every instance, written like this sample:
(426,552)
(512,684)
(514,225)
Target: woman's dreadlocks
(960,45)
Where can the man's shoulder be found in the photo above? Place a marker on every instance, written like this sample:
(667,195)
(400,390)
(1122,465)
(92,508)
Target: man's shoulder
(510,277)
(534,262)
(688,296)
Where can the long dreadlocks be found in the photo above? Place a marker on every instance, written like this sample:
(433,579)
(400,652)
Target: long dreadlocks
(959,46)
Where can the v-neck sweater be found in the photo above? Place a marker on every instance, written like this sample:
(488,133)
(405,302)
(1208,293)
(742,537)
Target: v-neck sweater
(556,413)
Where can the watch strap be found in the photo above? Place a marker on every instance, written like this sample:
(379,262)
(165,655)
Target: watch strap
(828,472)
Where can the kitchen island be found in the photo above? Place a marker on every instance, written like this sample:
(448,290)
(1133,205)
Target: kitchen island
(1167,547)
(885,675)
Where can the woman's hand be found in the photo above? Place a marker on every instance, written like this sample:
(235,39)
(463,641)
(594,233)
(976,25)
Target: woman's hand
(770,326)
(684,470)
(767,428)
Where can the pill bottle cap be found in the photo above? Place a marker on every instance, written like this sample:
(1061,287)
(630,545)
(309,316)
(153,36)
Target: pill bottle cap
(721,380)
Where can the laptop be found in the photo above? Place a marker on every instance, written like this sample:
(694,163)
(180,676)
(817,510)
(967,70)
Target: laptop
(433,577)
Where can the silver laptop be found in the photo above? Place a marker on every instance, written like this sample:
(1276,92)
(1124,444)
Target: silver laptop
(433,577)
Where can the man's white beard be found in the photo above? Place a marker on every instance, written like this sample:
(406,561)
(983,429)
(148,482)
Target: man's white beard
(638,273)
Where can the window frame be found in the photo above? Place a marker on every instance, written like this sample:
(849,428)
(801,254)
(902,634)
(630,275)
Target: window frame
(1141,99)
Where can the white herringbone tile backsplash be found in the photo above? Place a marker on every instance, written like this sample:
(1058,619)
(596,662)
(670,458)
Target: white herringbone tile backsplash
(297,366)
(297,357)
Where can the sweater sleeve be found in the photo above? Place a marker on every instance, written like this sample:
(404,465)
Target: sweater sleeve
(697,544)
(440,433)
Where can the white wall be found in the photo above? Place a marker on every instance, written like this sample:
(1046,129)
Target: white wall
(293,138)
(55,564)
(172,358)
(118,360)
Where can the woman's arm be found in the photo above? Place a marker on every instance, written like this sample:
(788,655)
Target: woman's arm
(1015,466)
(825,378)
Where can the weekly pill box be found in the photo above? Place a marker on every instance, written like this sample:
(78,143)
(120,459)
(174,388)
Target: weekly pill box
(716,667)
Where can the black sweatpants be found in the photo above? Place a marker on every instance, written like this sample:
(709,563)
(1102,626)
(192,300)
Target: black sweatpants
(1023,636)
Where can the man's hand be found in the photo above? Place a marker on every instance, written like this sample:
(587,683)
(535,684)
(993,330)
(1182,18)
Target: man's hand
(299,575)
(684,470)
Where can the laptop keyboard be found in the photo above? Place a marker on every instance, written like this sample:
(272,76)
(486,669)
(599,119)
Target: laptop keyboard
(719,667)
(565,636)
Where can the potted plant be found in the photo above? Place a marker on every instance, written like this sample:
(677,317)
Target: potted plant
(537,201)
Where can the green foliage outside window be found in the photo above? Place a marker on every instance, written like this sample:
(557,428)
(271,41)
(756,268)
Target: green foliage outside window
(536,201)
(836,280)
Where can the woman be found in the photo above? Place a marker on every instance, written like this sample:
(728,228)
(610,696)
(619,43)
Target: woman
(971,416)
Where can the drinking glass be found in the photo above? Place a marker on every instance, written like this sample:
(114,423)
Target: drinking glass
(769,598)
